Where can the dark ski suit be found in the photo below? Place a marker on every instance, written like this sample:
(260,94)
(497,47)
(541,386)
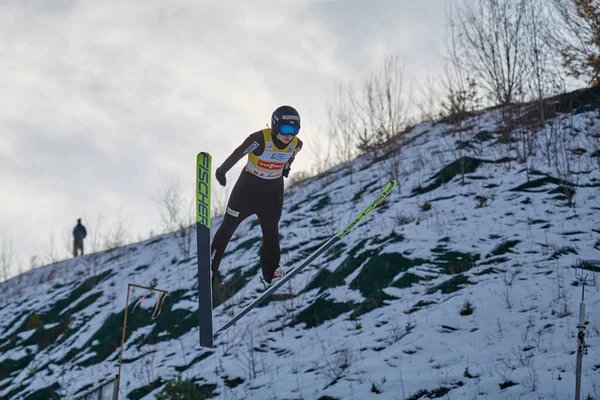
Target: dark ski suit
(258,190)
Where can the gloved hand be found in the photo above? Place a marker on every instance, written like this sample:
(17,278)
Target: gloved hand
(221,177)
(286,171)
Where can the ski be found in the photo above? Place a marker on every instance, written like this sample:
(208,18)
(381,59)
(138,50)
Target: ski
(203,161)
(294,270)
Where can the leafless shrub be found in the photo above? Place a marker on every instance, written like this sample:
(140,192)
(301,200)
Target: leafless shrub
(460,96)
(145,367)
(286,308)
(504,367)
(508,276)
(560,140)
(459,88)
(95,238)
(577,38)
(384,108)
(218,199)
(67,381)
(397,332)
(430,106)
(528,328)
(523,355)
(229,340)
(545,77)
(491,34)
(364,119)
(92,263)
(531,380)
(298,178)
(118,234)
(560,294)
(185,234)
(185,237)
(328,215)
(343,124)
(250,356)
(171,203)
(55,253)
(322,158)
(592,139)
(335,361)
(34,262)
(403,219)
(393,163)
(8,259)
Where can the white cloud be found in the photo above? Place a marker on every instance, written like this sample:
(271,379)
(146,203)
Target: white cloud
(101,97)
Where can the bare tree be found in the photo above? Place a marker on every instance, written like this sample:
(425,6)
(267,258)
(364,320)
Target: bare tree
(362,120)
(170,203)
(343,124)
(491,34)
(218,201)
(92,263)
(297,178)
(250,355)
(523,120)
(383,108)
(560,151)
(34,262)
(95,236)
(322,159)
(579,41)
(185,235)
(460,95)
(430,105)
(67,242)
(57,252)
(335,360)
(593,139)
(176,213)
(459,88)
(118,234)
(545,76)
(7,259)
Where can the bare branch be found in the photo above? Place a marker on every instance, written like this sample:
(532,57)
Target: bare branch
(579,40)
(343,124)
(8,259)
(170,203)
(491,35)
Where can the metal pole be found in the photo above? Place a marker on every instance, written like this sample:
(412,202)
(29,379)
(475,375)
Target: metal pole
(583,278)
(154,315)
(115,395)
(122,341)
(580,349)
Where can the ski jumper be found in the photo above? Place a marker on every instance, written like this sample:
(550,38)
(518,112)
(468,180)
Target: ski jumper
(259,191)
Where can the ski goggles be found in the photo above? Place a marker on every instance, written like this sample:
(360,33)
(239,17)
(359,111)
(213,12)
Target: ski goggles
(287,129)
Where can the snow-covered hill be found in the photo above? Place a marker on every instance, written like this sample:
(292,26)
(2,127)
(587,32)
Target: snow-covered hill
(460,286)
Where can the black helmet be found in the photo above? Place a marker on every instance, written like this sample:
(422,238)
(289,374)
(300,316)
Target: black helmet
(285,115)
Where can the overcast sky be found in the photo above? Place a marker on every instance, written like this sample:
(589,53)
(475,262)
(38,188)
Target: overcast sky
(102,98)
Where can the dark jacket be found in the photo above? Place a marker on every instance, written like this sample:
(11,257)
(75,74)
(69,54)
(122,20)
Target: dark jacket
(79,232)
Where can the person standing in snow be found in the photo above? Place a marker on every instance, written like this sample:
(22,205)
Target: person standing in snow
(259,189)
(79,233)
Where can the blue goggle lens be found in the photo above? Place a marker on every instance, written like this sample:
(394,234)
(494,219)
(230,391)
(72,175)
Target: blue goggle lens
(287,129)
